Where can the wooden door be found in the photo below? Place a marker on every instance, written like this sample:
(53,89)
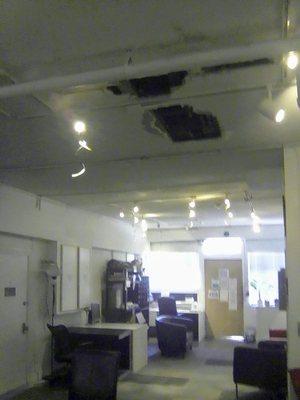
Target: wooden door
(222,317)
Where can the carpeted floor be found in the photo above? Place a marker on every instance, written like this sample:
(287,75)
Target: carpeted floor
(204,374)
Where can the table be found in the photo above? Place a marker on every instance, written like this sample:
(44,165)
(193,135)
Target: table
(130,339)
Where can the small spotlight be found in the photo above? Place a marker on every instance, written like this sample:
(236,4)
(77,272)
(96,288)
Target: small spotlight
(230,214)
(122,215)
(79,126)
(144,225)
(81,172)
(192,204)
(256,228)
(136,209)
(136,220)
(292,60)
(227,203)
(192,214)
(280,115)
(83,145)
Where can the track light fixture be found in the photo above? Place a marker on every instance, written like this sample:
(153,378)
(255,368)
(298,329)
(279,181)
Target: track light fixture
(292,60)
(192,214)
(272,110)
(122,215)
(227,203)
(135,209)
(192,204)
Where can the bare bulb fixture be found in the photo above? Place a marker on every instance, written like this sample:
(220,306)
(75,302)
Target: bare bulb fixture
(192,204)
(292,60)
(122,215)
(136,209)
(79,127)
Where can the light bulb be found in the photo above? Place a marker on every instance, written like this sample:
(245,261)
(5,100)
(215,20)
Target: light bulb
(122,215)
(136,220)
(192,214)
(230,214)
(192,204)
(79,126)
(136,209)
(280,115)
(227,203)
(292,60)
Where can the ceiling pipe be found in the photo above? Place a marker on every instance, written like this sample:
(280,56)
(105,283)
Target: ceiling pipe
(161,66)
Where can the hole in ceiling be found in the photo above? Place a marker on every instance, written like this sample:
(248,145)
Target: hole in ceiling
(150,86)
(182,123)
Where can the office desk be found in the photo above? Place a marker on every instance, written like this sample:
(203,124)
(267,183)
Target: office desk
(130,339)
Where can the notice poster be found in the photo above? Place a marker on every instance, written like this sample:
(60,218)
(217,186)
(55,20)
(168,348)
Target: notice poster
(213,294)
(224,295)
(232,294)
(215,284)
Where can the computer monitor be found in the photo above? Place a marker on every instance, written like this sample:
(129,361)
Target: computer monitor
(94,315)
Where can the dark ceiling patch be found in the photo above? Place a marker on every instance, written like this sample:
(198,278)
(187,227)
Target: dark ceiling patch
(182,124)
(150,86)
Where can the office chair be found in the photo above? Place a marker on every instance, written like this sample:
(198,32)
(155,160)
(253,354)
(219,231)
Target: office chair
(94,375)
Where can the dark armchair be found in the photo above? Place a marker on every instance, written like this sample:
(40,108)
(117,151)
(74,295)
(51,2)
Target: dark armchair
(174,335)
(94,375)
(262,368)
(167,306)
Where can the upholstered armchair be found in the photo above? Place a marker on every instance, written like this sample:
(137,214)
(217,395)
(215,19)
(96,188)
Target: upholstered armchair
(174,335)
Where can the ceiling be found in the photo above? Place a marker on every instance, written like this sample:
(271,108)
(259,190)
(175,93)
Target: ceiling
(134,162)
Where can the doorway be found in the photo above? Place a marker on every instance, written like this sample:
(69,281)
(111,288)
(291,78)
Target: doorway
(13,311)
(223,305)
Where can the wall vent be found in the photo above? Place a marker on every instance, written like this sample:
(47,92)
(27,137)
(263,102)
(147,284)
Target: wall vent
(237,65)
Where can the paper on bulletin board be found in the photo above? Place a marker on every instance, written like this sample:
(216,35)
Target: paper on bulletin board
(224,295)
(215,284)
(213,294)
(232,294)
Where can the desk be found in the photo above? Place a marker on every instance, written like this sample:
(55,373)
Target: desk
(130,339)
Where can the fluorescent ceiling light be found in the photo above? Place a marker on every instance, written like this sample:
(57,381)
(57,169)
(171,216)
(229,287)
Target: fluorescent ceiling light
(79,126)
(81,172)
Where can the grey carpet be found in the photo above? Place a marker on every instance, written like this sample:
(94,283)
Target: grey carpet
(215,361)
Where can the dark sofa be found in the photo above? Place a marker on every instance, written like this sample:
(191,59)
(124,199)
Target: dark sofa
(174,335)
(265,368)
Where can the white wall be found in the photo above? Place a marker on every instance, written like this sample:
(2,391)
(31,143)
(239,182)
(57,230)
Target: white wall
(37,233)
(292,201)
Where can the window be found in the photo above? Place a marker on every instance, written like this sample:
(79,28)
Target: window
(172,271)
(263,277)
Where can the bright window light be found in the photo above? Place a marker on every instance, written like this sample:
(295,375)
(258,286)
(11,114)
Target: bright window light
(172,271)
(224,246)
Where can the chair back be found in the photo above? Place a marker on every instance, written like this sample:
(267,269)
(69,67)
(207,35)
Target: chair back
(167,306)
(62,341)
(94,375)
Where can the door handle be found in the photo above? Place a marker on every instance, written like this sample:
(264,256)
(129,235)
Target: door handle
(24,328)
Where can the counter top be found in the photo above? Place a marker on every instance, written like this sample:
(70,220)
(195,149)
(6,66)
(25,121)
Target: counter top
(112,325)
(180,311)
